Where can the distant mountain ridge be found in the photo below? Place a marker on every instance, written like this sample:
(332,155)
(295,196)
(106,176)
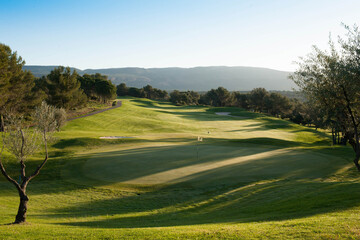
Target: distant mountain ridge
(197,78)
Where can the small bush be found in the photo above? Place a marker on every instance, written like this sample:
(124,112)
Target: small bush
(60,117)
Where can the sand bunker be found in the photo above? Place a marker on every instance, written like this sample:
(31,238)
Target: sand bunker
(223,113)
(114,137)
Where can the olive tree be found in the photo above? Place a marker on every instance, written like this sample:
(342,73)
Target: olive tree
(331,79)
(22,141)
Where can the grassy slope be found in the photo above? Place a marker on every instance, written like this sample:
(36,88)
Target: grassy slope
(256,177)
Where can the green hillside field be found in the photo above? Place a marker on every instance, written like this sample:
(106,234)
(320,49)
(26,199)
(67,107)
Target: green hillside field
(252,176)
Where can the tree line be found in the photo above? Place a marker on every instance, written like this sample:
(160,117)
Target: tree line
(257,100)
(145,92)
(68,90)
(21,92)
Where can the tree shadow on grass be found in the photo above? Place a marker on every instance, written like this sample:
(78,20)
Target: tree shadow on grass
(279,142)
(128,164)
(271,188)
(280,200)
(66,173)
(268,124)
(63,172)
(92,142)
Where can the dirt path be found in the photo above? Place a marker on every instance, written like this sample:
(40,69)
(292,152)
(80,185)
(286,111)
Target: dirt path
(119,104)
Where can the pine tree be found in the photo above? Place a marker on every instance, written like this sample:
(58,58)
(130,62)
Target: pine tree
(17,87)
(122,89)
(63,88)
(105,90)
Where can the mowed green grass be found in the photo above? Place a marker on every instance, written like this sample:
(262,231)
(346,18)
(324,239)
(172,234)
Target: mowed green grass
(252,176)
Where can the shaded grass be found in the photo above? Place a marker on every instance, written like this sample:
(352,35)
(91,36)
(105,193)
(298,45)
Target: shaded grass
(280,200)
(88,142)
(215,164)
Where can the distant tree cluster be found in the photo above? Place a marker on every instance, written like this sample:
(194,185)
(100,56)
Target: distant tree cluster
(184,98)
(69,90)
(219,97)
(145,92)
(258,100)
(97,87)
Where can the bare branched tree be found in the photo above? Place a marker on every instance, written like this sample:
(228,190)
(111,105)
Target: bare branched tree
(22,141)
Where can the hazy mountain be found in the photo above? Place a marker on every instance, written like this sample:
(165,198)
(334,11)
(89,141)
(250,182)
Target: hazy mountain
(198,78)
(40,71)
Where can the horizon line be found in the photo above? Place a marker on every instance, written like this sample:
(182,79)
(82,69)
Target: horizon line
(33,65)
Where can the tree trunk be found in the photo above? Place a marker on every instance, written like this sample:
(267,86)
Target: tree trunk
(356,161)
(333,136)
(21,215)
(2,124)
(356,144)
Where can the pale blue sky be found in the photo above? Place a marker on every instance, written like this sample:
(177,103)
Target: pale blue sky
(170,33)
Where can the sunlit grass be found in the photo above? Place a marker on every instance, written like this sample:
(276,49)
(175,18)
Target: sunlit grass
(256,177)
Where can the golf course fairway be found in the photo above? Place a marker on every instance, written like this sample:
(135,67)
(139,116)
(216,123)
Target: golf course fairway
(251,177)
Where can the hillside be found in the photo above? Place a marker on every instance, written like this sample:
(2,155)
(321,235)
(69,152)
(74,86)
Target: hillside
(252,177)
(198,78)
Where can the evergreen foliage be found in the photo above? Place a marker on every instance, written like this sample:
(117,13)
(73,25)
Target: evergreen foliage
(97,87)
(17,87)
(219,97)
(122,89)
(184,98)
(63,88)
(146,92)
